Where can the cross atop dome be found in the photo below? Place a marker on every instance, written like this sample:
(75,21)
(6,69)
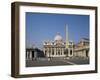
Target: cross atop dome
(58,33)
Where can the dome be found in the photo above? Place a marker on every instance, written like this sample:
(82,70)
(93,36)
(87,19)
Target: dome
(58,37)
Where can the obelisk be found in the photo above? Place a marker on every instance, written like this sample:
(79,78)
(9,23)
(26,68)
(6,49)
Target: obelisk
(67,42)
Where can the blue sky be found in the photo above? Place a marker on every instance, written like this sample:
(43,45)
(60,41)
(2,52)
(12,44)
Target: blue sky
(44,26)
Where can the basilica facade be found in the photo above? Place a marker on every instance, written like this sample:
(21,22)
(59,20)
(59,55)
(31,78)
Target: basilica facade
(57,48)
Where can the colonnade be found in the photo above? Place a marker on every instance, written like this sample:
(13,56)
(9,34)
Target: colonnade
(57,52)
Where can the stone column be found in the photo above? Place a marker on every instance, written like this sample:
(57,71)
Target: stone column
(27,53)
(72,51)
(57,51)
(84,53)
(30,55)
(54,51)
(68,52)
(62,51)
(81,54)
(51,51)
(35,55)
(44,50)
(48,53)
(88,53)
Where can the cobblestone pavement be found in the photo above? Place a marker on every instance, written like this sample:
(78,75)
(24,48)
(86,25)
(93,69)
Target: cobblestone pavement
(57,61)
